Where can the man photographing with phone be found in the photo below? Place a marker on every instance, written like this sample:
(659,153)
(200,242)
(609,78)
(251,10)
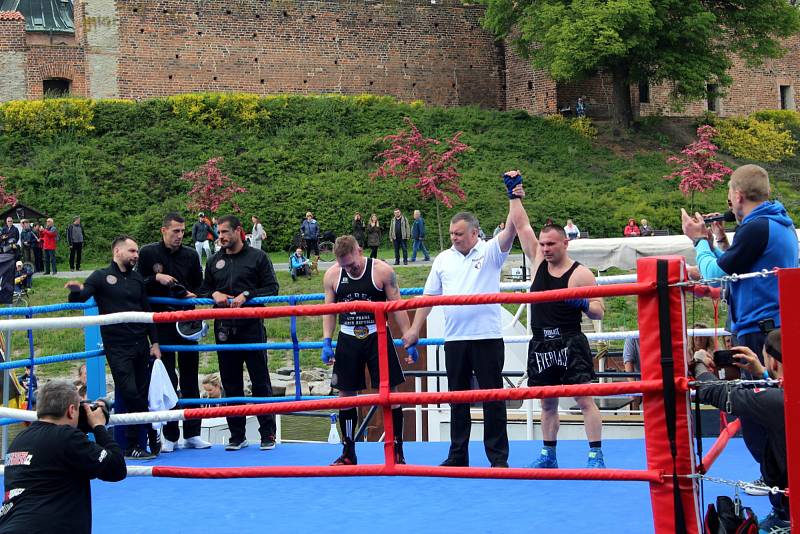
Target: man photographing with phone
(764,405)
(49,465)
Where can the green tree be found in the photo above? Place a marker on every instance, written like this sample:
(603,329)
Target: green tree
(684,43)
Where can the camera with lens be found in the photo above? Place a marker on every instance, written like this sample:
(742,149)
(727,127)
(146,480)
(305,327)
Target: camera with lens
(83,420)
(8,243)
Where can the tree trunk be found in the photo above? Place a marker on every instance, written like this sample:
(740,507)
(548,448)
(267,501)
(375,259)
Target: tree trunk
(439,224)
(623,111)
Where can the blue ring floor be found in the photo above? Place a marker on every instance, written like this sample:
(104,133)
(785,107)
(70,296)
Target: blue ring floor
(395,504)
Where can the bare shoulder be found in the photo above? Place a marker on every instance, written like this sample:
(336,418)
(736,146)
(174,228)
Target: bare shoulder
(331,275)
(383,273)
(583,276)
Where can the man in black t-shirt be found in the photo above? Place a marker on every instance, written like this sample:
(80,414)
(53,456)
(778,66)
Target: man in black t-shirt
(356,278)
(49,465)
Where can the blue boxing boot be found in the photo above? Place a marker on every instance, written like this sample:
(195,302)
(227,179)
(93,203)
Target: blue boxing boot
(595,460)
(546,460)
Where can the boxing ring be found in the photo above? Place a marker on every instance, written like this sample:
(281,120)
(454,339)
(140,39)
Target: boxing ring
(670,470)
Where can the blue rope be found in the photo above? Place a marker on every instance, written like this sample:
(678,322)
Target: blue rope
(52,359)
(250,400)
(47,308)
(4,421)
(276,345)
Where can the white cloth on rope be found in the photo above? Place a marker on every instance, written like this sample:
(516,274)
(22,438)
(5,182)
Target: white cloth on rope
(161,395)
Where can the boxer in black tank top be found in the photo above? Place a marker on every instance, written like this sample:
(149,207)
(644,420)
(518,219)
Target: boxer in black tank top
(356,278)
(558,353)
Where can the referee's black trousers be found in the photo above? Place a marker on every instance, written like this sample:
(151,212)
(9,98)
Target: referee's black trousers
(130,368)
(484,358)
(231,371)
(189,387)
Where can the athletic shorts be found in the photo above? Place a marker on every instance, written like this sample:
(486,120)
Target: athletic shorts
(352,354)
(560,360)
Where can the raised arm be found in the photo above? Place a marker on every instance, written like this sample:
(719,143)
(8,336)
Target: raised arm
(519,218)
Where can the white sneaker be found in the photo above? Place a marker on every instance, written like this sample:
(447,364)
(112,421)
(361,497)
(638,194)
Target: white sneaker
(168,446)
(196,442)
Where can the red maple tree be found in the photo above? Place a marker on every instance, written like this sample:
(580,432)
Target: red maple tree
(7,198)
(412,156)
(700,170)
(210,188)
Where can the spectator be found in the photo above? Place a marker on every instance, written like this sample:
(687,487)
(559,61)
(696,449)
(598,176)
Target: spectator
(128,346)
(580,107)
(631,361)
(398,233)
(572,231)
(200,232)
(38,260)
(212,387)
(645,229)
(50,463)
(373,236)
(9,238)
(763,405)
(29,382)
(699,342)
(82,374)
(29,241)
(358,229)
(215,244)
(299,264)
(76,238)
(631,230)
(418,235)
(49,243)
(765,239)
(309,229)
(257,234)
(499,228)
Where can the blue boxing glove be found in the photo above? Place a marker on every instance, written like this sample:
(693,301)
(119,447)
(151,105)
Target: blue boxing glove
(512,182)
(413,353)
(581,304)
(327,351)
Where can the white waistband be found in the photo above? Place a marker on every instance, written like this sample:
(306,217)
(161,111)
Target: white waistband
(350,330)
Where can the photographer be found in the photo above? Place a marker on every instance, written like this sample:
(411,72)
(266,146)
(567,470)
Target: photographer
(50,463)
(9,238)
(764,405)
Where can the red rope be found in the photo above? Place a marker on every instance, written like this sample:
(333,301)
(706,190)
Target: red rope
(616,290)
(725,436)
(409,470)
(412,398)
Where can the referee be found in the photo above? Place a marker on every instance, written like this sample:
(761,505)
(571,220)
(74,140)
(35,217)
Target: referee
(171,269)
(233,275)
(128,346)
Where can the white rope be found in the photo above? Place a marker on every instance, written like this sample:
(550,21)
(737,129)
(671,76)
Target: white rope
(133,471)
(116,418)
(601,281)
(76,322)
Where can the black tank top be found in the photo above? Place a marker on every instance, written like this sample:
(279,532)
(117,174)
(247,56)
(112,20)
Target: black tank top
(547,315)
(350,289)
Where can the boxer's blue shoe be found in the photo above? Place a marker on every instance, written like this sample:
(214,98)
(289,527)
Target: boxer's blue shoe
(595,460)
(546,460)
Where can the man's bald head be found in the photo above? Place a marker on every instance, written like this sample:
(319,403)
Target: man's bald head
(752,182)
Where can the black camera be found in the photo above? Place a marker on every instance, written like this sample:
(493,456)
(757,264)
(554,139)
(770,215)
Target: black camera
(766,326)
(728,216)
(83,420)
(724,358)
(178,291)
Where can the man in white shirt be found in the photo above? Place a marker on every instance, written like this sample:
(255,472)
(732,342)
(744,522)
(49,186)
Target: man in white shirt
(473,333)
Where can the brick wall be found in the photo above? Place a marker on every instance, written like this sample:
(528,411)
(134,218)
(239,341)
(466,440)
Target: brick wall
(412,49)
(12,56)
(527,88)
(44,62)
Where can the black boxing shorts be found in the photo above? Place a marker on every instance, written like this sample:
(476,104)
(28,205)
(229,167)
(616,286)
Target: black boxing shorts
(353,353)
(557,358)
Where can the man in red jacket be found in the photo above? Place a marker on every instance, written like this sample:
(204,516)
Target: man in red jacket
(50,240)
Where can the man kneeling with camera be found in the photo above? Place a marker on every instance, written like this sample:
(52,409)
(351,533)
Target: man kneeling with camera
(762,404)
(49,465)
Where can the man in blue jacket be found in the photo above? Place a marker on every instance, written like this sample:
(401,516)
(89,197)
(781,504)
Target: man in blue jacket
(310,230)
(418,236)
(765,239)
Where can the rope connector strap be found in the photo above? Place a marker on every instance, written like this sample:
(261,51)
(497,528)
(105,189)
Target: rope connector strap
(739,484)
(731,278)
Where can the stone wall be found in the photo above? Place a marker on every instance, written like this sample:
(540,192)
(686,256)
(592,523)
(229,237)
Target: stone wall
(12,56)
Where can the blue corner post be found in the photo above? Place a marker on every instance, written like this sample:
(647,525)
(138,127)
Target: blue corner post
(298,390)
(95,367)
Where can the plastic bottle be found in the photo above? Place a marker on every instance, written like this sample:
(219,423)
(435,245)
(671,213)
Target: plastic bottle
(333,435)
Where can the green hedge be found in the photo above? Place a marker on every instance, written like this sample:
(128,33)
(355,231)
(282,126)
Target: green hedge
(121,170)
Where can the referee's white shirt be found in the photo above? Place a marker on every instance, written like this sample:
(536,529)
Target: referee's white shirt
(453,273)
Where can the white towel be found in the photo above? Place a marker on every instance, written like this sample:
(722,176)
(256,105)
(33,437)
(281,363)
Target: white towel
(161,395)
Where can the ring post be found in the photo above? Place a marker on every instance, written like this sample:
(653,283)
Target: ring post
(383,389)
(668,440)
(298,389)
(33,367)
(789,293)
(95,367)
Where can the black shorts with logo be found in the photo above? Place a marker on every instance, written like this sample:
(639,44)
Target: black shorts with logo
(559,359)
(352,354)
